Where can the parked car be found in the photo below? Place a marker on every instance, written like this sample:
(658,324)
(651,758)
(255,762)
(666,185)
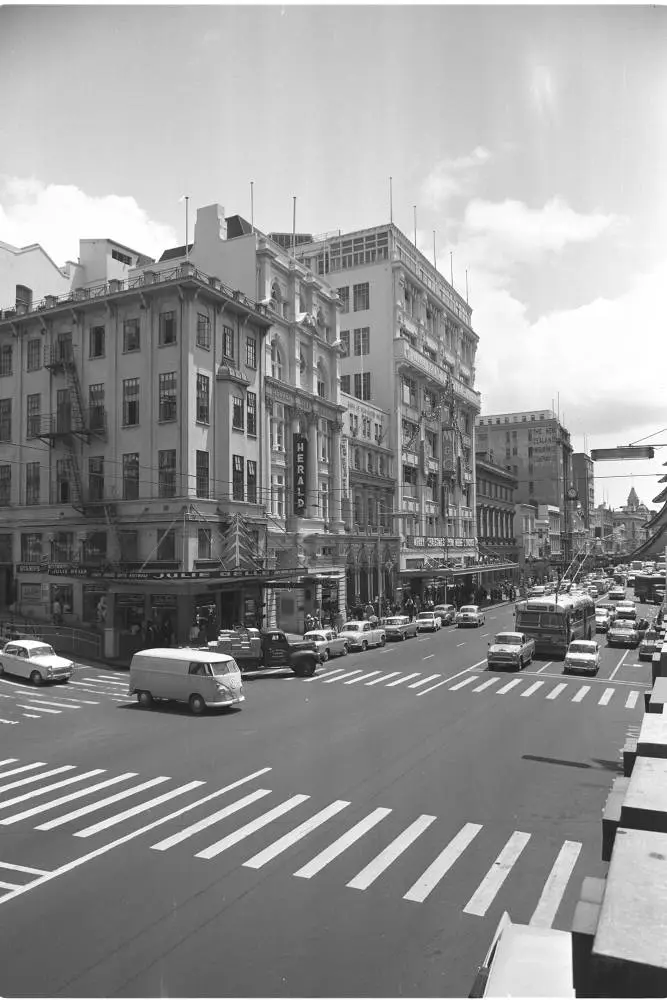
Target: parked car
(510,649)
(428,621)
(362,635)
(469,614)
(602,620)
(327,643)
(36,661)
(582,654)
(650,644)
(447,613)
(623,633)
(399,627)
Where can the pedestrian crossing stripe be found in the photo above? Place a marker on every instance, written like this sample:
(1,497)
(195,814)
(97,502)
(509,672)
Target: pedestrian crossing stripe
(397,845)
(50,701)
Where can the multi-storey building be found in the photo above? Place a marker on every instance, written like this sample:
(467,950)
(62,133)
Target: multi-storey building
(409,348)
(583,479)
(631,520)
(131,449)
(495,519)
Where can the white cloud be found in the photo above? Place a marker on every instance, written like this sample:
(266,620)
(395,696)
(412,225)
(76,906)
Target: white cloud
(57,216)
(452,177)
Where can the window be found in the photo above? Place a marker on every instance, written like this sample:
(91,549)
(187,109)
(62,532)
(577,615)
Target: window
(131,340)
(323,500)
(345,341)
(166,545)
(5,419)
(325,441)
(251,470)
(166,475)
(278,495)
(167,396)
(131,476)
(345,384)
(122,257)
(31,547)
(34,355)
(96,412)
(251,352)
(96,344)
(130,402)
(362,340)
(202,398)
(96,478)
(362,385)
(276,361)
(62,547)
(344,296)
(251,402)
(321,389)
(167,329)
(6,359)
(238,485)
(32,483)
(129,546)
(531,487)
(409,475)
(202,483)
(228,342)
(237,413)
(409,392)
(203,543)
(356,461)
(63,486)
(361,297)
(278,427)
(203,331)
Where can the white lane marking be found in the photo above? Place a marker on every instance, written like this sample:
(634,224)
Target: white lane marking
(632,699)
(485,634)
(555,885)
(418,684)
(618,665)
(28,715)
(9,885)
(99,680)
(249,828)
(582,692)
(606,697)
(490,885)
(533,687)
(54,803)
(58,704)
(342,843)
(84,810)
(135,810)
(202,824)
(509,686)
(99,851)
(22,769)
(486,684)
(429,657)
(544,667)
(79,701)
(422,638)
(348,673)
(460,644)
(8,760)
(402,680)
(466,680)
(556,691)
(326,673)
(49,788)
(13,722)
(385,677)
(427,882)
(23,868)
(364,677)
(298,833)
(399,844)
(448,680)
(38,708)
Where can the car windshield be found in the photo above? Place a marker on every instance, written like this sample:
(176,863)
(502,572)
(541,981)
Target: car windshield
(508,639)
(393,621)
(41,651)
(426,614)
(582,647)
(219,669)
(353,626)
(315,636)
(469,608)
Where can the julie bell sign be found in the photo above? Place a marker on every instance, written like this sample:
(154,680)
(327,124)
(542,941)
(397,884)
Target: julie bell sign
(300,470)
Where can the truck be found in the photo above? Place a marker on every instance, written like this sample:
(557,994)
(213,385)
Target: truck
(255,649)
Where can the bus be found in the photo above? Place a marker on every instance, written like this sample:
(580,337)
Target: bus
(554,623)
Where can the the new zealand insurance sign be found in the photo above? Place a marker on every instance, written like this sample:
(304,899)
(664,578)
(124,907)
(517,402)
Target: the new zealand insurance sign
(300,466)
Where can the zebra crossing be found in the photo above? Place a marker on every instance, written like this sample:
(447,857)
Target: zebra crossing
(525,686)
(20,700)
(415,853)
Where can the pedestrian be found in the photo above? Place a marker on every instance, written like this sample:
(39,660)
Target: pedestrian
(57,612)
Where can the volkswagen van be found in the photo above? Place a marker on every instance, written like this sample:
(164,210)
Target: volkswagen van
(199,678)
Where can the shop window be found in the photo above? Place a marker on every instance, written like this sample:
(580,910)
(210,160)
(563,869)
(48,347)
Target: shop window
(31,548)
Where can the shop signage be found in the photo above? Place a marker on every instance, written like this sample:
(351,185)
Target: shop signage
(300,469)
(344,469)
(94,573)
(426,541)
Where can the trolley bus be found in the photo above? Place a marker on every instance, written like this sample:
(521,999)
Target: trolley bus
(554,622)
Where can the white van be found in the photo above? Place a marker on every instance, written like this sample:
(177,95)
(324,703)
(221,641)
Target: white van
(198,677)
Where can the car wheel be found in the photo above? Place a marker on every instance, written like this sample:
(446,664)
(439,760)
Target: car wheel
(344,650)
(197,704)
(364,646)
(383,640)
(404,636)
(145,699)
(325,655)
(36,678)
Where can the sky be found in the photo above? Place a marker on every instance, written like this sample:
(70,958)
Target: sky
(532,141)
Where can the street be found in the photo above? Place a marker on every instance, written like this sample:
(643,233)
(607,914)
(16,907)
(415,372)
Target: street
(356,833)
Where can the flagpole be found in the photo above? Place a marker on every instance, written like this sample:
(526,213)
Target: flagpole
(451,267)
(294,226)
(391,202)
(414,210)
(252,206)
(187,227)
(435,263)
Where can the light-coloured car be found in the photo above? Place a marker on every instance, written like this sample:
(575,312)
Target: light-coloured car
(650,644)
(617,594)
(362,635)
(582,654)
(201,678)
(399,627)
(625,611)
(469,614)
(35,660)
(328,643)
(510,649)
(537,591)
(446,612)
(602,620)
(428,621)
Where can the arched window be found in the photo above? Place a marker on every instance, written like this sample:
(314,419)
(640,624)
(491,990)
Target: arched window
(276,361)
(322,380)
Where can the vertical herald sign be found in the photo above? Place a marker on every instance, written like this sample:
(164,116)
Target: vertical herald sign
(300,466)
